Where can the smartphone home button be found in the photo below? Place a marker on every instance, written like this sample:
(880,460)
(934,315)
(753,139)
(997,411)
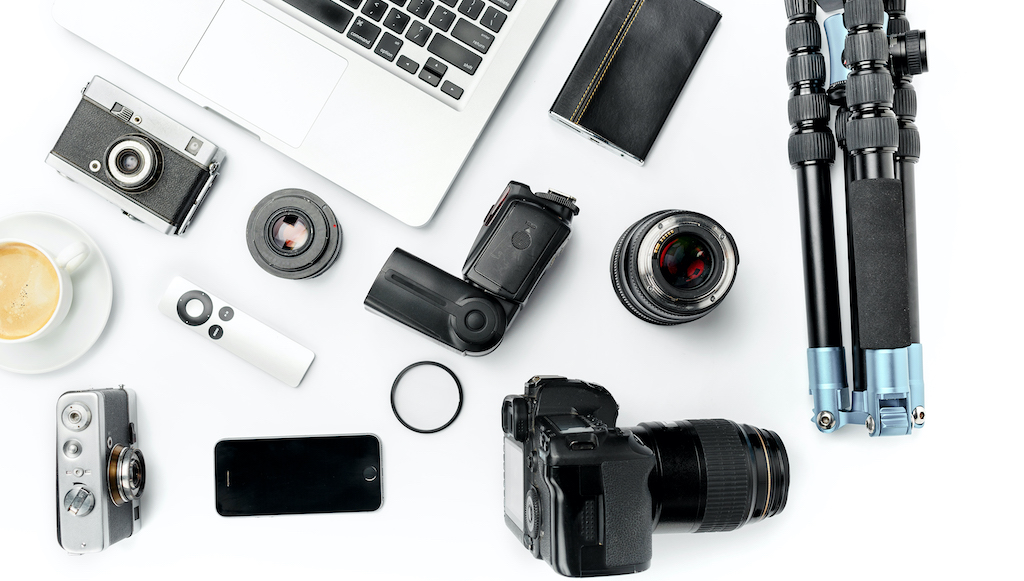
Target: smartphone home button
(370,474)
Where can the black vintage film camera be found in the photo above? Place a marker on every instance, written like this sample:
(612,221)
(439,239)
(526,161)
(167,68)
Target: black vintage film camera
(521,236)
(586,496)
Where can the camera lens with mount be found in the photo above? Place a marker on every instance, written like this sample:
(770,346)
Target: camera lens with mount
(293,234)
(673,266)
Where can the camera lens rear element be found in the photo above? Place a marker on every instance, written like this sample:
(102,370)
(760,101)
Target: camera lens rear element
(673,267)
(293,234)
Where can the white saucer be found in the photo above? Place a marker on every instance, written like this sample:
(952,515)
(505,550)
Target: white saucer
(90,308)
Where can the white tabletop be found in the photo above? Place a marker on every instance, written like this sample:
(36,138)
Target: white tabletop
(935,502)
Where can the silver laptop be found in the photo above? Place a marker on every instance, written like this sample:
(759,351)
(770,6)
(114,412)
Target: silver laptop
(383,97)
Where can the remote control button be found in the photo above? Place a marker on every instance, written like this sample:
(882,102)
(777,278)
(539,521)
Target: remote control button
(216,332)
(195,320)
(475,320)
(226,313)
(194,308)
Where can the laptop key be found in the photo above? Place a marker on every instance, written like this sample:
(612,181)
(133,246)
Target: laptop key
(388,46)
(452,90)
(442,18)
(418,33)
(471,8)
(454,53)
(429,77)
(435,66)
(397,20)
(407,64)
(399,3)
(450,2)
(474,36)
(421,8)
(352,3)
(505,5)
(326,12)
(493,19)
(375,9)
(363,32)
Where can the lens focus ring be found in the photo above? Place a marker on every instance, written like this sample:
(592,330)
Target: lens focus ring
(728,476)
(133,163)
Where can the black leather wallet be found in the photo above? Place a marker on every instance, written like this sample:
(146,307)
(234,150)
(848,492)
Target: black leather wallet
(632,70)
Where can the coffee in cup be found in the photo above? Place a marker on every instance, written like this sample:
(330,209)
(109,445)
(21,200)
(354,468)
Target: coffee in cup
(35,289)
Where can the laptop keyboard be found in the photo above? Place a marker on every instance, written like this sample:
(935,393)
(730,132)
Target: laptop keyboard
(441,43)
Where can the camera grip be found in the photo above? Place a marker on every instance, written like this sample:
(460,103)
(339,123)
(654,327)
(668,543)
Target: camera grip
(435,303)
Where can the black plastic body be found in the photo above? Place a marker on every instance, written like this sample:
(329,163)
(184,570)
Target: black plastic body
(316,474)
(89,135)
(521,236)
(592,494)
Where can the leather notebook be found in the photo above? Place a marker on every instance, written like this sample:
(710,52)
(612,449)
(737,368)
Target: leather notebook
(632,70)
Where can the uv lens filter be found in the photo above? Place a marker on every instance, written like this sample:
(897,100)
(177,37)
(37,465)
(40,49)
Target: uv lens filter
(433,391)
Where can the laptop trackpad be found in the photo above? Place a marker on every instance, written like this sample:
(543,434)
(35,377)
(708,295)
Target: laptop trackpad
(255,67)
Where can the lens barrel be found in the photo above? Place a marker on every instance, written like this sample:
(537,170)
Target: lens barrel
(673,267)
(133,163)
(714,475)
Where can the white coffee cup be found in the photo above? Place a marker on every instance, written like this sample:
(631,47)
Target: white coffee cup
(22,312)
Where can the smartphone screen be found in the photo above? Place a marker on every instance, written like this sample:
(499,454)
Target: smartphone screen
(298,475)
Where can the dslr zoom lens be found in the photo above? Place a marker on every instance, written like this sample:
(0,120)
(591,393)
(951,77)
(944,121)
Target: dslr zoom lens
(714,475)
(673,267)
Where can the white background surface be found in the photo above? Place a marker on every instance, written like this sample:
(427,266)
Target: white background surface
(940,502)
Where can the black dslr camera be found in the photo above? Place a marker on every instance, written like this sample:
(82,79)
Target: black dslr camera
(586,496)
(521,236)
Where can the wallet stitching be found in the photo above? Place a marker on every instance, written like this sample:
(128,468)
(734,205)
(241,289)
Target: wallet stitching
(601,65)
(617,47)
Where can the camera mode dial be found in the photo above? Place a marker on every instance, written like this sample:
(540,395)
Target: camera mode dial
(79,501)
(532,509)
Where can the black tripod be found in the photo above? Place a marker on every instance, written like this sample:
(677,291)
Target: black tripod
(881,145)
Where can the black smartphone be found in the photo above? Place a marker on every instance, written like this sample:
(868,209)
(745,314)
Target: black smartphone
(314,474)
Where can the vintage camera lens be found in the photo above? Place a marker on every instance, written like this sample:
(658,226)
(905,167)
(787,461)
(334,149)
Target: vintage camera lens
(133,163)
(714,475)
(126,474)
(673,267)
(293,234)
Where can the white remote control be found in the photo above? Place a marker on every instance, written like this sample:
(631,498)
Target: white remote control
(235,331)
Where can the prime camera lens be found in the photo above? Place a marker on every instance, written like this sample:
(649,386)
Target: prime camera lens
(133,163)
(126,474)
(673,266)
(714,475)
(293,234)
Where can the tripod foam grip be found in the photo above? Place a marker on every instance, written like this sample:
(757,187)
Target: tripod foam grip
(879,272)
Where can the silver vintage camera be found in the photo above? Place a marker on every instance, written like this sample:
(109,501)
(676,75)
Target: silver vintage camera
(100,471)
(152,167)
